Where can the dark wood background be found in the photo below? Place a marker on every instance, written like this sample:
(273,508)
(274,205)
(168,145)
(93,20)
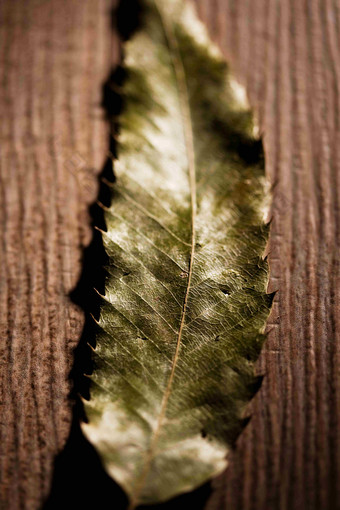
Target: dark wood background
(55,56)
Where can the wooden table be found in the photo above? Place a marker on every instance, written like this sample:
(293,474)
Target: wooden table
(54,57)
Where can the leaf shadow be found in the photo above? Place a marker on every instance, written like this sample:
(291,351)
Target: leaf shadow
(79,479)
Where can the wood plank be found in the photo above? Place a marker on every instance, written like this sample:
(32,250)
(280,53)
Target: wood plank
(54,57)
(287,54)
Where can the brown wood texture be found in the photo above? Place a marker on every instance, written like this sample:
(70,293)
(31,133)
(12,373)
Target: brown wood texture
(288,55)
(55,56)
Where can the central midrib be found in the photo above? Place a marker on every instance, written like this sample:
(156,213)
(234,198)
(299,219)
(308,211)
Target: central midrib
(189,143)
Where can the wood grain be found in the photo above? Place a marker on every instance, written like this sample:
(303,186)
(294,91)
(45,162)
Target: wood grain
(288,55)
(55,56)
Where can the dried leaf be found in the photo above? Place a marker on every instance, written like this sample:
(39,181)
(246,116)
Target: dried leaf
(185,304)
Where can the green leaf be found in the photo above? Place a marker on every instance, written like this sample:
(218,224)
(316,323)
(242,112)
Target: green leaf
(182,321)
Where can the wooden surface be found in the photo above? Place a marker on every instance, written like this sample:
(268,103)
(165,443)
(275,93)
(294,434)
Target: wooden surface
(55,56)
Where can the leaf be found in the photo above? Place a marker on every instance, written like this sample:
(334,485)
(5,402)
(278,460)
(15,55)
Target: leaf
(185,304)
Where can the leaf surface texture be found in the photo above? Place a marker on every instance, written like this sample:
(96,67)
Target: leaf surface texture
(185,303)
